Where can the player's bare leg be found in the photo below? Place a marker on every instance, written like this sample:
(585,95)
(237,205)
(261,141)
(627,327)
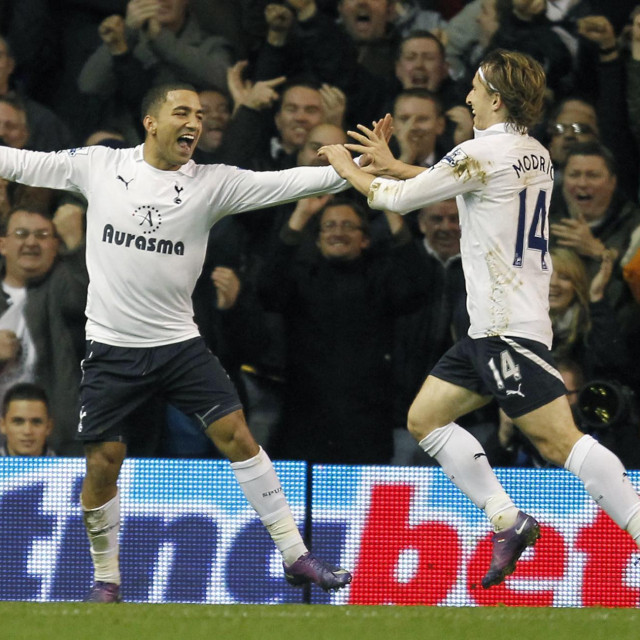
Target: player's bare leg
(101,514)
(262,488)
(553,432)
(432,422)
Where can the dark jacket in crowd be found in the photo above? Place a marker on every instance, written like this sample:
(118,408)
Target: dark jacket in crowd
(55,316)
(339,319)
(425,335)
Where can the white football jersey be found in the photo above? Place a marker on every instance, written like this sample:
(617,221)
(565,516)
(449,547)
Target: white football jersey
(503,182)
(147,229)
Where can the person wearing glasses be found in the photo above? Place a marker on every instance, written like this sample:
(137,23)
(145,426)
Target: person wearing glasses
(502,180)
(339,299)
(594,217)
(44,290)
(575,120)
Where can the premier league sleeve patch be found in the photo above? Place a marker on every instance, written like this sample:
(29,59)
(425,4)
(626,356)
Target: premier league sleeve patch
(454,157)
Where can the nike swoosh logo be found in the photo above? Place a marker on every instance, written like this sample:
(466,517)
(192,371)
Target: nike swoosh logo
(520,529)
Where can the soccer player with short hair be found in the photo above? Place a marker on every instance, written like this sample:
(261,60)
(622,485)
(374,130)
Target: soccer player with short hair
(148,219)
(502,180)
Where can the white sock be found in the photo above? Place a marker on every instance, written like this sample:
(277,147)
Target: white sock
(606,482)
(263,490)
(464,461)
(103,526)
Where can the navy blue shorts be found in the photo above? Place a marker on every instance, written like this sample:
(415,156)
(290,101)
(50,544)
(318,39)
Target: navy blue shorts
(117,381)
(519,373)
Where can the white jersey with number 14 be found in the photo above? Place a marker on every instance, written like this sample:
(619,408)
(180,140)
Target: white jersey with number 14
(503,182)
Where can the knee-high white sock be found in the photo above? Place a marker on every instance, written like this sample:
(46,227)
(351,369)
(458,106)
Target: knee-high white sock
(464,461)
(263,490)
(606,482)
(103,527)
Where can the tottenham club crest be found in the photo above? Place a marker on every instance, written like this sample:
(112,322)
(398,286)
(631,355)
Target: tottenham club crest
(149,219)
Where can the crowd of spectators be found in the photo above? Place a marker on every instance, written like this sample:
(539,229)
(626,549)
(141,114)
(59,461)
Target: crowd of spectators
(327,315)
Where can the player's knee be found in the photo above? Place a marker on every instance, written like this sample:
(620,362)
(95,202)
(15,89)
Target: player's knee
(417,423)
(232,437)
(553,450)
(103,463)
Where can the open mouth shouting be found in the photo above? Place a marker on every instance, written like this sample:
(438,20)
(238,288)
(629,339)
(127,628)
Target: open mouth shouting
(186,142)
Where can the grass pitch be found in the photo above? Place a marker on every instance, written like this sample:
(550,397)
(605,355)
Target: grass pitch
(80,621)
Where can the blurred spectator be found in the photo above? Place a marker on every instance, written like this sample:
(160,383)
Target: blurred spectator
(518,25)
(604,78)
(26,421)
(421,64)
(574,120)
(418,126)
(15,133)
(47,132)
(525,27)
(370,26)
(339,306)
(319,136)
(585,329)
(299,111)
(256,138)
(42,303)
(216,111)
(409,15)
(356,55)
(462,34)
(154,43)
(595,217)
(14,130)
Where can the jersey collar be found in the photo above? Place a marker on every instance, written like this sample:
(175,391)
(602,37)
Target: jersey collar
(188,169)
(500,127)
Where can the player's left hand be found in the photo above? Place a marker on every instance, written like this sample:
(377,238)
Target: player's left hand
(339,158)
